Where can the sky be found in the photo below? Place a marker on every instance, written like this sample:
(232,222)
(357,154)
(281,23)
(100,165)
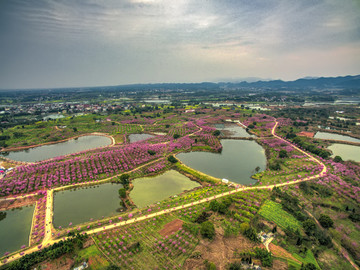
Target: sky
(71,43)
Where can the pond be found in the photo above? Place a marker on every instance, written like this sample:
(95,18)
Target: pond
(333,136)
(82,204)
(15,229)
(155,100)
(59,149)
(237,162)
(233,131)
(345,151)
(139,137)
(53,116)
(149,190)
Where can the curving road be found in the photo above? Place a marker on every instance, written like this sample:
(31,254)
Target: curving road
(48,239)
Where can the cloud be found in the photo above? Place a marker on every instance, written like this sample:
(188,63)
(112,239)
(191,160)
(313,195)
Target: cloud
(102,37)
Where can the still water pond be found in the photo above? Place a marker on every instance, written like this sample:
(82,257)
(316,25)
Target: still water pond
(139,137)
(237,161)
(149,190)
(345,151)
(80,205)
(233,130)
(15,229)
(59,149)
(333,136)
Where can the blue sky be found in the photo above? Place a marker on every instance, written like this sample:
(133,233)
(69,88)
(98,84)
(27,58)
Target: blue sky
(48,44)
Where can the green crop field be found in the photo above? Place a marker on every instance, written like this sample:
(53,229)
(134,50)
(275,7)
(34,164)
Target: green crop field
(273,212)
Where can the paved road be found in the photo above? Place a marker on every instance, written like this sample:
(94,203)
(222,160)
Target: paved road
(48,228)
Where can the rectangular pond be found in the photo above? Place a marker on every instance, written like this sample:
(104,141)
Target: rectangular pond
(139,137)
(149,190)
(333,136)
(15,226)
(345,151)
(237,162)
(82,204)
(59,149)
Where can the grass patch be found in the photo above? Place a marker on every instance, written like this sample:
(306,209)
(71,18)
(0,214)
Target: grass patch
(197,174)
(273,211)
(94,258)
(309,258)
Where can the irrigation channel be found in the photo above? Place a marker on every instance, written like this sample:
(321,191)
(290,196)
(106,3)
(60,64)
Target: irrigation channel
(49,239)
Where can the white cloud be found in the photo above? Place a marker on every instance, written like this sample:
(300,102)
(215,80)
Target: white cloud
(168,39)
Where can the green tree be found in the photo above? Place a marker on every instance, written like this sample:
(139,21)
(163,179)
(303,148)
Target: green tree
(326,221)
(309,226)
(207,230)
(176,136)
(251,234)
(308,266)
(124,179)
(113,267)
(216,133)
(18,134)
(264,256)
(122,192)
(283,153)
(338,159)
(2,215)
(172,159)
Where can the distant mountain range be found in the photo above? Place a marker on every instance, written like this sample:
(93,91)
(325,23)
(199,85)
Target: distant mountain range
(349,83)
(345,82)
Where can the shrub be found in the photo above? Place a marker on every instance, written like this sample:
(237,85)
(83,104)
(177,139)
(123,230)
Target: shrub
(172,159)
(308,266)
(244,226)
(124,179)
(274,165)
(283,153)
(355,217)
(235,266)
(323,238)
(203,217)
(338,159)
(113,267)
(191,227)
(264,256)
(207,230)
(176,136)
(309,226)
(209,265)
(122,192)
(326,221)
(216,133)
(251,234)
